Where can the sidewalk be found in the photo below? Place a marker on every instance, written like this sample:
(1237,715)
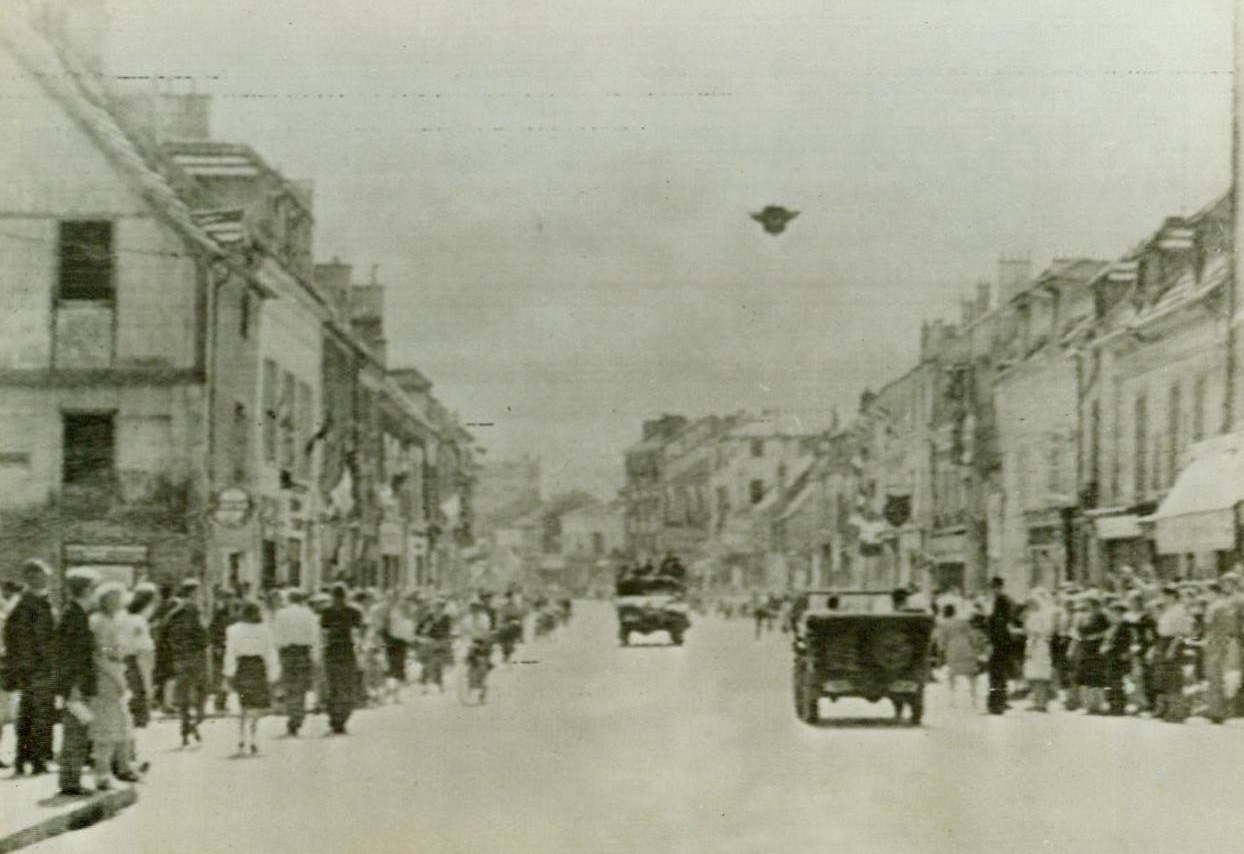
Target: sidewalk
(31,810)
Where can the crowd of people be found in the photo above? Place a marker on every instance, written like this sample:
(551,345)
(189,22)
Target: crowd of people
(109,658)
(1134,646)
(1168,651)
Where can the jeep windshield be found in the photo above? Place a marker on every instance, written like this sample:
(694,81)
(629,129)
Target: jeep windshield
(847,602)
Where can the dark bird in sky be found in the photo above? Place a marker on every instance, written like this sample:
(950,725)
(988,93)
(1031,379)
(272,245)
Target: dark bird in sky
(774,218)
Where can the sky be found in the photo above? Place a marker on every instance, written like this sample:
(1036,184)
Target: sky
(556,192)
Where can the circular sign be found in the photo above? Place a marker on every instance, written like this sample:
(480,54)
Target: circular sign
(232,509)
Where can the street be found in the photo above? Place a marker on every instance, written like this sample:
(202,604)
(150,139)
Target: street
(596,748)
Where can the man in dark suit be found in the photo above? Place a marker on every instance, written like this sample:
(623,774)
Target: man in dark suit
(187,641)
(75,677)
(998,629)
(29,668)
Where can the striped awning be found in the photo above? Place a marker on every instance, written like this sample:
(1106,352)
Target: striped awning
(217,165)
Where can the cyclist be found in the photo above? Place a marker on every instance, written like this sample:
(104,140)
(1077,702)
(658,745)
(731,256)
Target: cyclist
(510,625)
(476,627)
(435,632)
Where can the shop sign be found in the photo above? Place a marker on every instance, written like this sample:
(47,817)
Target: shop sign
(948,548)
(232,508)
(79,554)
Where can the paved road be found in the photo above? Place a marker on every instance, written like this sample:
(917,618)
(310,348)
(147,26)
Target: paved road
(694,749)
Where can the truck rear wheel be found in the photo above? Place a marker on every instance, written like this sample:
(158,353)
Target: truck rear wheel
(807,698)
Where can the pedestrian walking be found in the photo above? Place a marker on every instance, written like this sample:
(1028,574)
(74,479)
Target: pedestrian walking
(1175,627)
(9,593)
(140,661)
(187,641)
(399,634)
(436,645)
(342,626)
(1038,667)
(960,645)
(1143,635)
(75,678)
(224,614)
(998,630)
(1116,658)
(251,664)
(110,728)
(30,669)
(1219,648)
(1091,664)
(296,633)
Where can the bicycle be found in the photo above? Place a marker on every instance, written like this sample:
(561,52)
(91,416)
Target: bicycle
(473,674)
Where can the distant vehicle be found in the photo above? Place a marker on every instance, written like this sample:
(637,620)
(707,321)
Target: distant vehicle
(853,643)
(651,601)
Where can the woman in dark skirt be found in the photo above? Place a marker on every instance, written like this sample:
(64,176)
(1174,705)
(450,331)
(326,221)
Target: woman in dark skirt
(251,665)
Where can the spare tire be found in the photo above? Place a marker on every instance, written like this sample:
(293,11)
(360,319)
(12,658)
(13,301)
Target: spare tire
(891,649)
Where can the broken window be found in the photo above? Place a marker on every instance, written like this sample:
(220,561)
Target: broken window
(86,262)
(88,448)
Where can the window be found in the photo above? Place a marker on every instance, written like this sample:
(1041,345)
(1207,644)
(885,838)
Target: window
(758,447)
(86,263)
(286,417)
(293,557)
(88,447)
(1172,432)
(1198,409)
(270,415)
(756,491)
(244,314)
(1054,471)
(1141,446)
(267,579)
(303,429)
(239,450)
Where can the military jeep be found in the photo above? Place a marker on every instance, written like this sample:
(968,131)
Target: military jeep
(651,603)
(853,643)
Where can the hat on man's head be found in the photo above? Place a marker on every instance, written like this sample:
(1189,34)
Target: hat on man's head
(189,585)
(108,587)
(146,587)
(34,565)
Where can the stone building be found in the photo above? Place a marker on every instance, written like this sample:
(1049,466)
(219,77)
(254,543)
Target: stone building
(106,338)
(181,391)
(1156,382)
(1036,404)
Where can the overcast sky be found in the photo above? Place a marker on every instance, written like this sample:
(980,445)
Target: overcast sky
(557,191)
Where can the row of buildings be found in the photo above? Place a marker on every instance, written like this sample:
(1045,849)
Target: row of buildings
(570,541)
(1075,423)
(183,389)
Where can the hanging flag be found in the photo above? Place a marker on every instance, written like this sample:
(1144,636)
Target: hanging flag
(342,495)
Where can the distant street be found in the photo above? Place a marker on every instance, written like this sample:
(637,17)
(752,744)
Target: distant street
(597,748)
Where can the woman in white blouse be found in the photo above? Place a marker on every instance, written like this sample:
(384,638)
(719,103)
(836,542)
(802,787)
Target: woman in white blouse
(251,665)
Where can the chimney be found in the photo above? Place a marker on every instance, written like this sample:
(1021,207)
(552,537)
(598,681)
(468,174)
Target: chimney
(367,318)
(1014,274)
(333,279)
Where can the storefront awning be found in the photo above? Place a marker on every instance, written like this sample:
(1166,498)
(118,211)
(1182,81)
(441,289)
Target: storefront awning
(1198,514)
(1124,527)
